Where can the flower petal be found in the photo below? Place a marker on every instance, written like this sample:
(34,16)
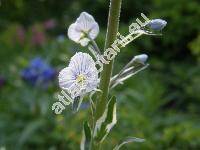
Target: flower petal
(73,33)
(87,24)
(84,42)
(80,64)
(85,21)
(66,78)
(94,31)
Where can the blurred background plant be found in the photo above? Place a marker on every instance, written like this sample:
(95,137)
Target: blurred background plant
(161,104)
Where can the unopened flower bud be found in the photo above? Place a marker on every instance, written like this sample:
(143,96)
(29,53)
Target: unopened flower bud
(141,58)
(157,24)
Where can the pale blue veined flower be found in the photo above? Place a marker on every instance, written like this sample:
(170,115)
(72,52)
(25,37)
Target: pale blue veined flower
(84,29)
(80,77)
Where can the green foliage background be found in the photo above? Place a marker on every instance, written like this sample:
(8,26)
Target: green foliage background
(160,104)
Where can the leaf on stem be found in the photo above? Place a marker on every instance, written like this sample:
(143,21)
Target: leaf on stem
(86,137)
(105,123)
(128,140)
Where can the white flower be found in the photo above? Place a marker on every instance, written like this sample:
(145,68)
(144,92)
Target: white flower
(80,77)
(84,26)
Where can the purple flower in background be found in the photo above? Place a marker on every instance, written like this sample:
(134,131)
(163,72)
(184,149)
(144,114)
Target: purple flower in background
(21,34)
(38,36)
(38,72)
(49,24)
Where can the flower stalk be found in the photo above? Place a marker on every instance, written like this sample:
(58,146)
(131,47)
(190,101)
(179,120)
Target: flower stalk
(112,29)
(95,46)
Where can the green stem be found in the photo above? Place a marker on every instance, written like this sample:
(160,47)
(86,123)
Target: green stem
(112,29)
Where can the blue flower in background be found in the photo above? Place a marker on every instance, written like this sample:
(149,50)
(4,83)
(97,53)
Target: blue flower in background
(29,75)
(38,63)
(38,72)
(157,24)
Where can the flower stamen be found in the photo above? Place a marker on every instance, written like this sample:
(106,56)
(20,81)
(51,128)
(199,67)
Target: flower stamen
(80,79)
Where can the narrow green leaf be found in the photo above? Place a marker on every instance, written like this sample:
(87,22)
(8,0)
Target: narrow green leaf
(105,123)
(86,137)
(128,140)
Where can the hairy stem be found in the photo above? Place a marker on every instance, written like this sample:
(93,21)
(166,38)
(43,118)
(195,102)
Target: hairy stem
(112,29)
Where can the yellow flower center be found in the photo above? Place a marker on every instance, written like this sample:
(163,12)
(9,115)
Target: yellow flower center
(84,34)
(80,79)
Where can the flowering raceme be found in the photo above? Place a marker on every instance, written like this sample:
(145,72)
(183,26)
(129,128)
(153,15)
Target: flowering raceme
(84,29)
(80,77)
